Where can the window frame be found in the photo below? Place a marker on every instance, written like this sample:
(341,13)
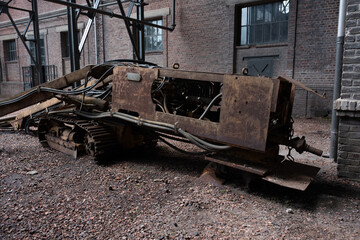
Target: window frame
(10,51)
(158,21)
(258,22)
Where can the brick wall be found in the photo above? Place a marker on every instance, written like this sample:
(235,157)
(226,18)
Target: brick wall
(349,148)
(315,50)
(348,106)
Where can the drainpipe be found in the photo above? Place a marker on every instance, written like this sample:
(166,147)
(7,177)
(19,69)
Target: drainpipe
(337,81)
(95,41)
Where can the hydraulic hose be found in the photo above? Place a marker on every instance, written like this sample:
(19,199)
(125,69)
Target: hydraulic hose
(155,125)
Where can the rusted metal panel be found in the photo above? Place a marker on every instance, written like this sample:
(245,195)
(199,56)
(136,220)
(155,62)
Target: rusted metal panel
(201,76)
(245,111)
(292,175)
(134,96)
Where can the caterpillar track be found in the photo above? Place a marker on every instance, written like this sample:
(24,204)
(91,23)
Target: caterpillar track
(75,136)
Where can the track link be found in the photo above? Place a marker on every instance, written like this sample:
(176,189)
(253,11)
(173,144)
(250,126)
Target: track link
(97,139)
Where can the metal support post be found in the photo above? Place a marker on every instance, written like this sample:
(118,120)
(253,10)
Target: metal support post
(140,30)
(73,39)
(38,63)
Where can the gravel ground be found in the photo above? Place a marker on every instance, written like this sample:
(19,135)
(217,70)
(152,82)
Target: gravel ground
(48,195)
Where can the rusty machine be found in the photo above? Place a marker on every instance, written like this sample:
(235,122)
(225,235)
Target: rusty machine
(237,121)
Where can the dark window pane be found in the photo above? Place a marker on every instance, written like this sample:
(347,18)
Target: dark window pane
(33,51)
(275,32)
(283,31)
(251,15)
(268,13)
(251,34)
(258,34)
(260,13)
(266,32)
(275,12)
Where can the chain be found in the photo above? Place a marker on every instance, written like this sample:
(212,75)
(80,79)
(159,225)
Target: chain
(291,130)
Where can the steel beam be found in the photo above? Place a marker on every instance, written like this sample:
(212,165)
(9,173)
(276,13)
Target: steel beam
(140,30)
(38,63)
(88,26)
(73,39)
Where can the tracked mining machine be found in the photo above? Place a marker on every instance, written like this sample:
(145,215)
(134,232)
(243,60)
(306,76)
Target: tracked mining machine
(238,121)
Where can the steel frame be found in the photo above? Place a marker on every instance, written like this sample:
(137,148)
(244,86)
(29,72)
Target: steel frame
(33,17)
(136,36)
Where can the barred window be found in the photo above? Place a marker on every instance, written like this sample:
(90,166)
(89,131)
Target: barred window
(10,50)
(266,23)
(153,37)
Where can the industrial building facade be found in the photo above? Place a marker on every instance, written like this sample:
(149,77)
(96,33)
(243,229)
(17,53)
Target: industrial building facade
(292,38)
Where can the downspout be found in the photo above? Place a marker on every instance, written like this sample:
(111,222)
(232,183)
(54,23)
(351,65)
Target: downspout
(295,35)
(95,42)
(103,38)
(337,81)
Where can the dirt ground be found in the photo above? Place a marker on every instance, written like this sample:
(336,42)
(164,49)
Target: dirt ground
(157,195)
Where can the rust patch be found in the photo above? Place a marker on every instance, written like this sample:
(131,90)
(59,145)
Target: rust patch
(131,95)
(245,111)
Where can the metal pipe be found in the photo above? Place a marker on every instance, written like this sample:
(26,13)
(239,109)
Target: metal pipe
(337,81)
(294,46)
(103,38)
(140,30)
(95,41)
(173,25)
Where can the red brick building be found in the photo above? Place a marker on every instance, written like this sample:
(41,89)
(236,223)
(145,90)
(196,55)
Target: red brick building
(292,38)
